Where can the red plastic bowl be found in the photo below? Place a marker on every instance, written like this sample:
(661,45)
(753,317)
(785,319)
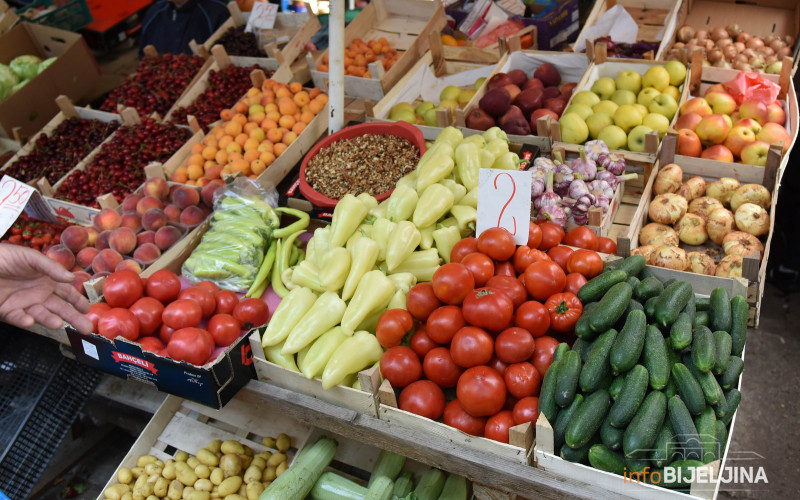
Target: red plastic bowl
(400,129)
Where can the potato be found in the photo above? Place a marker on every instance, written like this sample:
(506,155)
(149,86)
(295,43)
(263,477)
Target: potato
(246,461)
(128,496)
(701,263)
(268,475)
(198,495)
(185,474)
(153,468)
(263,454)
(667,208)
(144,460)
(276,459)
(137,471)
(124,476)
(161,487)
(208,458)
(231,446)
(214,446)
(704,205)
(730,267)
(169,470)
(175,491)
(283,442)
(235,496)
(259,463)
(230,464)
(203,485)
(248,451)
(142,487)
(242,490)
(152,497)
(193,462)
(670,258)
(668,179)
(116,491)
(252,474)
(254,489)
(281,468)
(202,471)
(658,235)
(217,475)
(181,456)
(269,442)
(229,486)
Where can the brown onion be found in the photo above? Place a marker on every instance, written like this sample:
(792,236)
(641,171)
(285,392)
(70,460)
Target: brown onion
(770,38)
(645,251)
(667,208)
(730,53)
(729,267)
(709,44)
(724,42)
(752,219)
(777,44)
(757,62)
(754,43)
(692,229)
(685,33)
(720,222)
(678,45)
(767,51)
(701,263)
(718,34)
(770,59)
(701,34)
(733,29)
(669,257)
(749,53)
(741,58)
(704,205)
(722,63)
(743,244)
(789,39)
(714,55)
(784,52)
(668,179)
(739,46)
(658,235)
(743,66)
(743,37)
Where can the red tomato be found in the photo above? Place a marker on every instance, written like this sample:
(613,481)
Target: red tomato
(497,426)
(471,347)
(505,268)
(497,243)
(423,398)
(488,308)
(534,235)
(164,286)
(581,237)
(122,288)
(165,333)
(151,344)
(525,256)
(226,300)
(511,287)
(192,345)
(393,325)
(522,380)
(209,286)
(497,365)
(182,313)
(560,254)
(574,282)
(421,344)
(481,391)
(224,329)
(565,309)
(526,410)
(480,265)
(462,248)
(443,323)
(440,367)
(421,301)
(606,245)
(148,311)
(118,322)
(96,311)
(251,313)
(543,353)
(543,279)
(203,297)
(586,262)
(514,345)
(400,366)
(552,234)
(533,316)
(452,282)
(455,416)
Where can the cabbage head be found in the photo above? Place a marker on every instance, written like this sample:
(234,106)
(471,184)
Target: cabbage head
(7,81)
(26,66)
(47,62)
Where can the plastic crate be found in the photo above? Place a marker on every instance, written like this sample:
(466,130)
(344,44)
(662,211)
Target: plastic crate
(41,394)
(69,15)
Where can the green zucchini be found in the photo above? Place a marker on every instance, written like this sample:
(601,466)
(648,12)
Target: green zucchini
(671,303)
(656,358)
(720,310)
(547,392)
(633,265)
(730,378)
(588,418)
(596,367)
(610,435)
(680,333)
(706,423)
(404,485)
(630,398)
(739,316)
(628,345)
(388,464)
(641,433)
(430,485)
(332,486)
(582,347)
(636,465)
(562,421)
(567,381)
(616,386)
(722,347)
(610,307)
(648,288)
(561,350)
(665,447)
(700,319)
(380,489)
(685,430)
(633,305)
(594,289)
(299,479)
(732,398)
(455,488)
(703,349)
(582,329)
(604,458)
(689,389)
(669,282)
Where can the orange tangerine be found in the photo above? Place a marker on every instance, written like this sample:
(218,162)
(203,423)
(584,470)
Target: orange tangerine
(274,116)
(195,159)
(268,124)
(180,175)
(252,155)
(233,128)
(268,84)
(194,171)
(224,141)
(270,107)
(322,98)
(226,170)
(251,125)
(314,93)
(301,98)
(221,157)
(257,134)
(250,144)
(286,121)
(316,105)
(253,92)
(209,163)
(295,87)
(279,149)
(241,107)
(211,141)
(287,106)
(232,157)
(257,117)
(306,117)
(323,68)
(257,166)
(241,118)
(241,166)
(265,147)
(197,148)
(289,138)
(283,92)
(267,157)
(298,128)
(274,135)
(233,147)
(241,139)
(226,114)
(297,116)
(209,152)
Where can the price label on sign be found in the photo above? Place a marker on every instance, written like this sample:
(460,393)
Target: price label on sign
(504,200)
(262,16)
(14,196)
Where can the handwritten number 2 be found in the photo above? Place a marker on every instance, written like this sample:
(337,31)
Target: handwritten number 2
(513,192)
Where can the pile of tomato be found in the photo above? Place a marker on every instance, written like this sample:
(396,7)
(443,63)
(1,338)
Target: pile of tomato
(33,233)
(487,325)
(166,320)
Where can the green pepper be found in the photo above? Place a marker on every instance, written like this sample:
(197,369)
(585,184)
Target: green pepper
(468,163)
(507,161)
(426,237)
(466,217)
(372,294)
(458,190)
(306,274)
(357,352)
(476,139)
(433,171)
(347,216)
(335,267)
(495,133)
(451,136)
(434,202)
(301,223)
(402,202)
(368,200)
(320,352)
(274,354)
(497,147)
(446,238)
(421,264)
(288,313)
(277,274)
(364,254)
(326,313)
(381,230)
(470,199)
(403,240)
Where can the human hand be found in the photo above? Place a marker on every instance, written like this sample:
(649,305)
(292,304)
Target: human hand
(36,289)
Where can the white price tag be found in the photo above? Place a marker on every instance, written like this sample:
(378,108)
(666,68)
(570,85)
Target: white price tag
(262,16)
(504,200)
(13,198)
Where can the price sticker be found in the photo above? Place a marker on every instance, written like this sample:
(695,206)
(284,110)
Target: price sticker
(504,200)
(14,196)
(262,16)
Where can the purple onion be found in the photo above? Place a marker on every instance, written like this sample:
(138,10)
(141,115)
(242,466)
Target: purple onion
(583,167)
(612,162)
(595,148)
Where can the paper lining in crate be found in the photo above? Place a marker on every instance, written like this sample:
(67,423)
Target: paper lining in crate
(571,67)
(405,24)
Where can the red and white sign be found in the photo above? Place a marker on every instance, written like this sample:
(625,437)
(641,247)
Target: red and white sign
(504,200)
(14,196)
(262,16)
(121,357)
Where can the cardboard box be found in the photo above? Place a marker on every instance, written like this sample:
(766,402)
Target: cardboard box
(73,74)
(558,26)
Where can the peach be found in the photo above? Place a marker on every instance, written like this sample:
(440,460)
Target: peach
(172,212)
(102,240)
(207,193)
(167,236)
(92,232)
(80,278)
(130,201)
(62,255)
(147,203)
(106,261)
(107,219)
(172,189)
(154,219)
(86,256)
(123,240)
(129,264)
(131,220)
(192,216)
(145,237)
(185,196)
(75,238)
(147,252)
(156,187)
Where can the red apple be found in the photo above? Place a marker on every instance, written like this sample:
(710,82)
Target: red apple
(721,102)
(688,143)
(689,120)
(756,110)
(717,87)
(719,153)
(775,113)
(696,105)
(755,153)
(712,129)
(540,113)
(748,123)
(772,133)
(738,138)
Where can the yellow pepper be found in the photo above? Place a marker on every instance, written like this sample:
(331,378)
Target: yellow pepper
(335,267)
(403,240)
(287,315)
(373,293)
(364,254)
(434,202)
(320,352)
(274,354)
(326,313)
(357,352)
(347,216)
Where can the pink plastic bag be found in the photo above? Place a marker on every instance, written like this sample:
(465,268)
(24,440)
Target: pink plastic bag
(752,86)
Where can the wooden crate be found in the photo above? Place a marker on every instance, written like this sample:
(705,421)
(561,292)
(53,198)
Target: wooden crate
(657,20)
(406,24)
(8,18)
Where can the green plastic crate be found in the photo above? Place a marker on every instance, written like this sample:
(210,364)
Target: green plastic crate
(69,15)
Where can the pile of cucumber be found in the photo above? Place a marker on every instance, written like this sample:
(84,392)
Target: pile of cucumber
(651,380)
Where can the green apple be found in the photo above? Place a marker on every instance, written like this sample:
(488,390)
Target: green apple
(728,120)
(614,137)
(607,107)
(626,117)
(674,92)
(604,87)
(429,117)
(646,95)
(629,80)
(448,103)
(656,77)
(677,72)
(423,107)
(663,104)
(582,110)
(598,122)
(642,109)
(636,138)
(622,96)
(404,115)
(449,93)
(479,82)
(465,96)
(585,97)
(401,109)
(657,122)
(573,128)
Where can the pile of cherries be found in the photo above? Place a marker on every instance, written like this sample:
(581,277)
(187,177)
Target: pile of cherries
(239,43)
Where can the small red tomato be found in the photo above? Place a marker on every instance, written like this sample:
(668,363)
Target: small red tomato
(497,426)
(522,380)
(393,325)
(480,265)
(543,353)
(505,268)
(96,311)
(118,322)
(510,286)
(192,345)
(421,301)
(251,313)
(543,279)
(151,344)
(452,282)
(575,282)
(496,364)
(581,237)
(148,311)
(525,256)
(514,345)
(534,235)
(559,254)
(208,285)
(440,367)
(224,329)
(421,343)
(400,366)
(488,308)
(226,300)
(606,245)
(165,333)
(471,347)
(423,398)
(552,234)
(455,416)
(163,285)
(203,297)
(565,309)
(497,243)
(443,323)
(182,313)
(462,248)
(533,316)
(587,262)
(122,288)
(526,410)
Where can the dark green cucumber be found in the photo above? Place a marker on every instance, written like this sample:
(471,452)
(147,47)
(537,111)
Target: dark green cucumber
(671,389)
(689,389)
(616,386)
(720,310)
(732,398)
(594,289)
(582,330)
(630,398)
(679,479)
(596,366)
(730,378)
(579,455)
(691,307)
(604,458)
(637,465)
(633,281)
(680,333)
(706,423)
(561,350)
(610,307)
(703,303)
(721,433)
(708,383)
(656,358)
(664,448)
(633,305)
(547,393)
(582,347)
(641,433)
(648,288)
(703,349)
(650,308)
(669,282)
(562,421)
(610,435)
(586,421)
(738,331)
(633,265)
(700,319)
(671,302)
(568,375)
(722,348)
(685,430)
(628,345)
